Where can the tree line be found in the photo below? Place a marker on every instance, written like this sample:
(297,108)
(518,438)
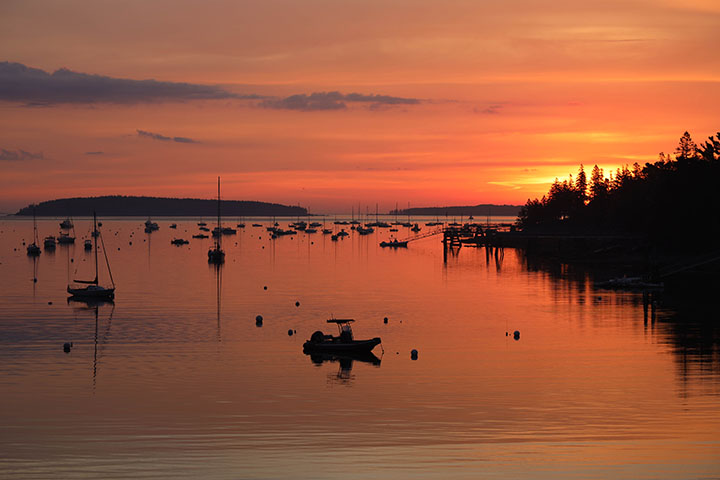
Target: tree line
(674,201)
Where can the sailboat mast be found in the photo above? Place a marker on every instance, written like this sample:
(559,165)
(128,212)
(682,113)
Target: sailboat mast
(95,242)
(35,226)
(219,233)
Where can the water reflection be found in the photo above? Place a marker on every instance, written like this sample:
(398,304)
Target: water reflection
(80,305)
(344,375)
(681,317)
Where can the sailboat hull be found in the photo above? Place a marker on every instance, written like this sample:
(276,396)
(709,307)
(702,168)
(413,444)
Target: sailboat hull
(92,291)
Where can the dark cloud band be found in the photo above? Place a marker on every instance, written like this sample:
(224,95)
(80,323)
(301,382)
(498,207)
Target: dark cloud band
(36,87)
(164,138)
(332,101)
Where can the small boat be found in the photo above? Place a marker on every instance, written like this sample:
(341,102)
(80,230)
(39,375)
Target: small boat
(344,342)
(173,225)
(395,243)
(630,283)
(179,241)
(257,225)
(315,224)
(33,250)
(94,290)
(334,238)
(151,226)
(415,228)
(342,233)
(204,229)
(310,230)
(66,224)
(364,230)
(49,242)
(65,239)
(200,235)
(393,229)
(240,225)
(327,231)
(87,244)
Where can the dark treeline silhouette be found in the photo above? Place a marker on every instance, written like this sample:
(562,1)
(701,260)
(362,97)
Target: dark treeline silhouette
(154,206)
(674,202)
(475,210)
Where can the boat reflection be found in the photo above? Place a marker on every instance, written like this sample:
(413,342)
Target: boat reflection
(345,360)
(93,304)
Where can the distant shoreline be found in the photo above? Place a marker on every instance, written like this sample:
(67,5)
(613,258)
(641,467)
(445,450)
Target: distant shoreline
(462,211)
(129,206)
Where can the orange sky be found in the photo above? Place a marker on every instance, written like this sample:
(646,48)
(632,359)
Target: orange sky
(484,101)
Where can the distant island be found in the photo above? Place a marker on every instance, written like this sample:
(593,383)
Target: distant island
(125,206)
(458,211)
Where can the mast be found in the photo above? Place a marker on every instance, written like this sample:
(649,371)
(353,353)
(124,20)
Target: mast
(35,226)
(217,239)
(95,243)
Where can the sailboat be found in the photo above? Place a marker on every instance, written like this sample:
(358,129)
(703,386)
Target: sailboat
(94,290)
(33,250)
(216,254)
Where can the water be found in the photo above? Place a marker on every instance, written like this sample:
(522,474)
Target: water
(175,380)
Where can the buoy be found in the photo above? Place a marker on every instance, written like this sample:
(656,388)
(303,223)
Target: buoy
(49,303)
(265,287)
(72,260)
(385,320)
(67,346)
(414,354)
(35,280)
(297,304)
(290,332)
(259,318)
(516,334)
(129,243)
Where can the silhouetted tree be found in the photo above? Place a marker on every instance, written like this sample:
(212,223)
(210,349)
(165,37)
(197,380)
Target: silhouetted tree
(581,184)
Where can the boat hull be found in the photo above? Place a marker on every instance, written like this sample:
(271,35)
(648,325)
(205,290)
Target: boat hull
(93,292)
(354,346)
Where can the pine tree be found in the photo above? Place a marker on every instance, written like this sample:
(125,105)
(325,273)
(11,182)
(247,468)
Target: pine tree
(581,184)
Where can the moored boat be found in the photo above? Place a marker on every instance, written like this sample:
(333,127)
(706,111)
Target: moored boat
(93,289)
(395,243)
(344,342)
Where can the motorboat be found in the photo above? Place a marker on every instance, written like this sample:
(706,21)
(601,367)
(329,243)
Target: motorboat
(327,231)
(179,241)
(200,235)
(630,283)
(415,228)
(395,243)
(343,342)
(310,230)
(66,224)
(173,225)
(364,230)
(87,244)
(342,233)
(49,242)
(65,239)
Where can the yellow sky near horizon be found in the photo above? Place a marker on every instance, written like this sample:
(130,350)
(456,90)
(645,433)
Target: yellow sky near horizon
(510,96)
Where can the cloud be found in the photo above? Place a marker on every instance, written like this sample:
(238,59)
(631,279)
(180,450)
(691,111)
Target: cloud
(332,101)
(490,110)
(94,153)
(18,155)
(158,136)
(35,87)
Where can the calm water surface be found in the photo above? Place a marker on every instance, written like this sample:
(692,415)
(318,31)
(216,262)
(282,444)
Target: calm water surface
(175,380)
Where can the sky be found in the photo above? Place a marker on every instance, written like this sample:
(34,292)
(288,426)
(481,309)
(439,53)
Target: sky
(328,104)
